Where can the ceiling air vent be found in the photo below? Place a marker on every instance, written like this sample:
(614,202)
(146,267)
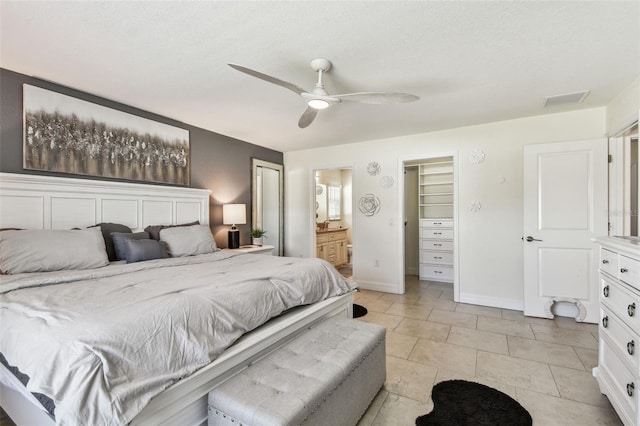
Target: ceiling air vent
(567,99)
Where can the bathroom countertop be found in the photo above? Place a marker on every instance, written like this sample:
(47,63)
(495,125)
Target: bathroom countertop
(331,230)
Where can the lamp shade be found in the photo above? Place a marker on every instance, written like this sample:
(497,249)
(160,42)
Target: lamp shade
(234,214)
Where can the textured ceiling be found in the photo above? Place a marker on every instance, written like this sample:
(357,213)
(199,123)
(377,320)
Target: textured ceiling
(470,62)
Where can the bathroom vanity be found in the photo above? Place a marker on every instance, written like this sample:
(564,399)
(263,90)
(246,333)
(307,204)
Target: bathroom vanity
(331,245)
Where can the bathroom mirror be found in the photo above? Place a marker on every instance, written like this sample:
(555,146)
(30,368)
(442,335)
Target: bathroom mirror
(321,203)
(328,202)
(267,202)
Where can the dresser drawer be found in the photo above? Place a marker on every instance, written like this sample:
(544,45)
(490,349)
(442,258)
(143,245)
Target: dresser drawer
(446,234)
(609,262)
(436,245)
(621,381)
(623,340)
(629,270)
(436,272)
(436,257)
(436,223)
(322,238)
(620,300)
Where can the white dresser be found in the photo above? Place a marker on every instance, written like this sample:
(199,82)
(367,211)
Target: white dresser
(618,370)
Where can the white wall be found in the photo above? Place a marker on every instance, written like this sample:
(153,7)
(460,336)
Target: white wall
(490,248)
(624,109)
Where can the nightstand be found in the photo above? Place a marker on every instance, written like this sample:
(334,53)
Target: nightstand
(265,249)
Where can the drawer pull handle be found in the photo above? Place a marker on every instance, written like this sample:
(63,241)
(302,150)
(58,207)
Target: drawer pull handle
(437,257)
(605,322)
(605,261)
(623,270)
(437,233)
(631,309)
(605,291)
(437,223)
(437,245)
(631,346)
(630,388)
(438,272)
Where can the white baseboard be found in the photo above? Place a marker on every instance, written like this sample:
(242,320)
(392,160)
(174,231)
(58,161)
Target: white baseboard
(377,286)
(495,302)
(411,271)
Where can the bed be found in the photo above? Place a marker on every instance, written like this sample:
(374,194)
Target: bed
(257,303)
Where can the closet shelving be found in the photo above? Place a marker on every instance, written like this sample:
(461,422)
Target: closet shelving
(435,205)
(436,189)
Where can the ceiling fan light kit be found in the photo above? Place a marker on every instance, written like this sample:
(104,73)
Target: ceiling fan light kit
(319,99)
(318,103)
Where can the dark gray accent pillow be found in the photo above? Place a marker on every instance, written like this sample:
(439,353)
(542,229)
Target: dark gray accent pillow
(154,230)
(107,229)
(119,238)
(147,249)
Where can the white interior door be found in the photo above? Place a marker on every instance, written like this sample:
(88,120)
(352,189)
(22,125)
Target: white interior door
(565,206)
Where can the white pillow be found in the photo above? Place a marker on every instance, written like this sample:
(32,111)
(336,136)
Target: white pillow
(188,240)
(44,250)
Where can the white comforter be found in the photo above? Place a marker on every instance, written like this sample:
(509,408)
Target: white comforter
(101,343)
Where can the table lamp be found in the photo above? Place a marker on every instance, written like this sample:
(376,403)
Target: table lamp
(234,214)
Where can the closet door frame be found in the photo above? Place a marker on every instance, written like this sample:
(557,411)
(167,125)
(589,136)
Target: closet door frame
(402,162)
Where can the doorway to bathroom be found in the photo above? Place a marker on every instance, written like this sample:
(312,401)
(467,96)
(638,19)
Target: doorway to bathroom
(333,195)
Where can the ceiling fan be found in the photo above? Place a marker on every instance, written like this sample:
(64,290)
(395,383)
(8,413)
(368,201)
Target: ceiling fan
(319,99)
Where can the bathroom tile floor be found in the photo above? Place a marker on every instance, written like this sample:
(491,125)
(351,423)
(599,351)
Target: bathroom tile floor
(544,364)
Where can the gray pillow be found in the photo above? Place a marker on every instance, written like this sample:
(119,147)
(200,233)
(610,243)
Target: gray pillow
(119,238)
(47,250)
(188,240)
(107,229)
(154,230)
(147,249)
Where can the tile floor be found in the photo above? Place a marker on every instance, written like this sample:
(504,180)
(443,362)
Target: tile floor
(544,364)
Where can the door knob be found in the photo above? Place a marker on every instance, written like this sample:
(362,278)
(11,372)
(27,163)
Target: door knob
(530,238)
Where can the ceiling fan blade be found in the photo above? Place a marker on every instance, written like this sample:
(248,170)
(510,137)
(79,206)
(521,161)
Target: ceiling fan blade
(268,78)
(307,117)
(377,97)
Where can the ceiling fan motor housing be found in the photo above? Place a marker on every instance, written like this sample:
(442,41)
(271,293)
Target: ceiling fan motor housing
(321,64)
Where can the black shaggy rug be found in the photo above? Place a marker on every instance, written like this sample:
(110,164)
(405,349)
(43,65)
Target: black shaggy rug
(462,403)
(359,311)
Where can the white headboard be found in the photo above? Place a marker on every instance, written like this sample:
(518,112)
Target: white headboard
(45,202)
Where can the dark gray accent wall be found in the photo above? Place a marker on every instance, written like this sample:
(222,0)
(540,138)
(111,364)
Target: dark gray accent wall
(219,163)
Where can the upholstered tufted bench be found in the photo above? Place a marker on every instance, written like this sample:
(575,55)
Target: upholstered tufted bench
(326,376)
